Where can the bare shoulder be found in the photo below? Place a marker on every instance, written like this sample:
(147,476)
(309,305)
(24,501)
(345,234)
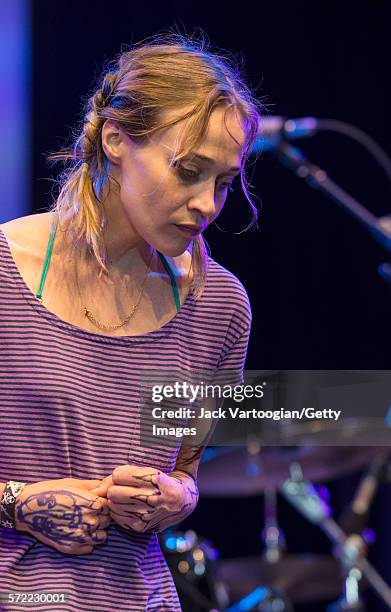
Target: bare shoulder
(28,235)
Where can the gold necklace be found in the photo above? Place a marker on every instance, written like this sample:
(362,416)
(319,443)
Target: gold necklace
(108,326)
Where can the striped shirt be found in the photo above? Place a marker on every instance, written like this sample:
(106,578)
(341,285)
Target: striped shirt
(70,408)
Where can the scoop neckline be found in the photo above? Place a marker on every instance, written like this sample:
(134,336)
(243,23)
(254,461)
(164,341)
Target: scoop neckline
(75,330)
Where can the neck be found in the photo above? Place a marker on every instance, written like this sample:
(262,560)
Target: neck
(122,242)
(126,251)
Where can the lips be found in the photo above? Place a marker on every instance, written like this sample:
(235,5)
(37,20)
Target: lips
(189,230)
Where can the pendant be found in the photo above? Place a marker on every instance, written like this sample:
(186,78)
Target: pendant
(95,322)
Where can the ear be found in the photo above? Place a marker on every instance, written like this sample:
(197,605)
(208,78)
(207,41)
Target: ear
(112,141)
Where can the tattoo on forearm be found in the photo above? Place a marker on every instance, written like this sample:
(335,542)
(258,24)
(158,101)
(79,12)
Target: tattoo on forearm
(46,513)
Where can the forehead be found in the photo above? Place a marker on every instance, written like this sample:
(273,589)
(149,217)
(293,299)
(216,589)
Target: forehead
(223,140)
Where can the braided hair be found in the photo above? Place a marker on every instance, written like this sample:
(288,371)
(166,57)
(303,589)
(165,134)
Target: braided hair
(170,72)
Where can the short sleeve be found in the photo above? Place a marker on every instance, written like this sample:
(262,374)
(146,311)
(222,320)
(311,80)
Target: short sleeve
(234,351)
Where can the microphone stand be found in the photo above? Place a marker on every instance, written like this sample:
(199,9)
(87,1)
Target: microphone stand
(379,227)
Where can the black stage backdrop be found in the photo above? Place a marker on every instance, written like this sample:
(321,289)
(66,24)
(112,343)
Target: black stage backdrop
(310,271)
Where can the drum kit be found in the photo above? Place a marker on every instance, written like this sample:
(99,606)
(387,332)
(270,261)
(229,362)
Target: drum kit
(276,581)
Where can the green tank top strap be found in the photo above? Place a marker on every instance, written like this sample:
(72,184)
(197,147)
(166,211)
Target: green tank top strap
(172,279)
(47,263)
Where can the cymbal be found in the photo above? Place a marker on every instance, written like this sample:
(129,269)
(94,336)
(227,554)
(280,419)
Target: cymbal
(238,472)
(303,578)
(348,431)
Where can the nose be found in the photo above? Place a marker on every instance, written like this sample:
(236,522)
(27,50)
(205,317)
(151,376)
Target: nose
(204,203)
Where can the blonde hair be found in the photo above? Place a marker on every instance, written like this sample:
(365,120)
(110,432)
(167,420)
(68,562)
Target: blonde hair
(170,72)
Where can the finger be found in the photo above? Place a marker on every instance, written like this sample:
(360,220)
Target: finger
(136,519)
(133,475)
(148,504)
(101,490)
(83,550)
(104,509)
(90,536)
(132,522)
(98,504)
(81,535)
(99,537)
(136,483)
(91,523)
(90,484)
(102,486)
(153,521)
(124,494)
(162,481)
(104,522)
(73,549)
(139,503)
(129,509)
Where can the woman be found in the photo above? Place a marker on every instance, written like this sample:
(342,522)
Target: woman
(113,281)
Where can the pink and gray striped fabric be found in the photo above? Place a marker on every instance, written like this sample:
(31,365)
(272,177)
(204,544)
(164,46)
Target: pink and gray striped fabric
(70,408)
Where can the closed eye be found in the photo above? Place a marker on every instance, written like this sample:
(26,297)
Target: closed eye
(192,176)
(185,173)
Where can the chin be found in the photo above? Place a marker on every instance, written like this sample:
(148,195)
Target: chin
(169,242)
(173,250)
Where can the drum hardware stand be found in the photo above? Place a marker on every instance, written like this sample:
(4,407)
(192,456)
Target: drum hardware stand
(272,535)
(353,522)
(265,598)
(348,549)
(350,600)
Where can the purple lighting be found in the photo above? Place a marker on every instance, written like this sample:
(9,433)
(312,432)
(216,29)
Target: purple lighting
(15,106)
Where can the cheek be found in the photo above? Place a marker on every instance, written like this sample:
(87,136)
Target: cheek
(148,214)
(143,187)
(219,207)
(151,198)
(135,180)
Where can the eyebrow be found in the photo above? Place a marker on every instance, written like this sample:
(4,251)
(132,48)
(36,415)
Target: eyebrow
(209,160)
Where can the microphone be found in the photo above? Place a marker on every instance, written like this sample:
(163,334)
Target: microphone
(274,130)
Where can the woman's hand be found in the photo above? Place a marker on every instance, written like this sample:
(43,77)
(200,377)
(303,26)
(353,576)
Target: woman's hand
(146,499)
(63,514)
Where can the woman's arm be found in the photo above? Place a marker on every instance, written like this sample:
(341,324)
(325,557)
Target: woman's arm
(189,457)
(62,513)
(185,472)
(146,499)
(190,453)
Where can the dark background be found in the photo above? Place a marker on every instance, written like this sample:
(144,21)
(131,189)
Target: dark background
(317,300)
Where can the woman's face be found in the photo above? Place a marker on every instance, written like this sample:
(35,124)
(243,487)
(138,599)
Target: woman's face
(157,198)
